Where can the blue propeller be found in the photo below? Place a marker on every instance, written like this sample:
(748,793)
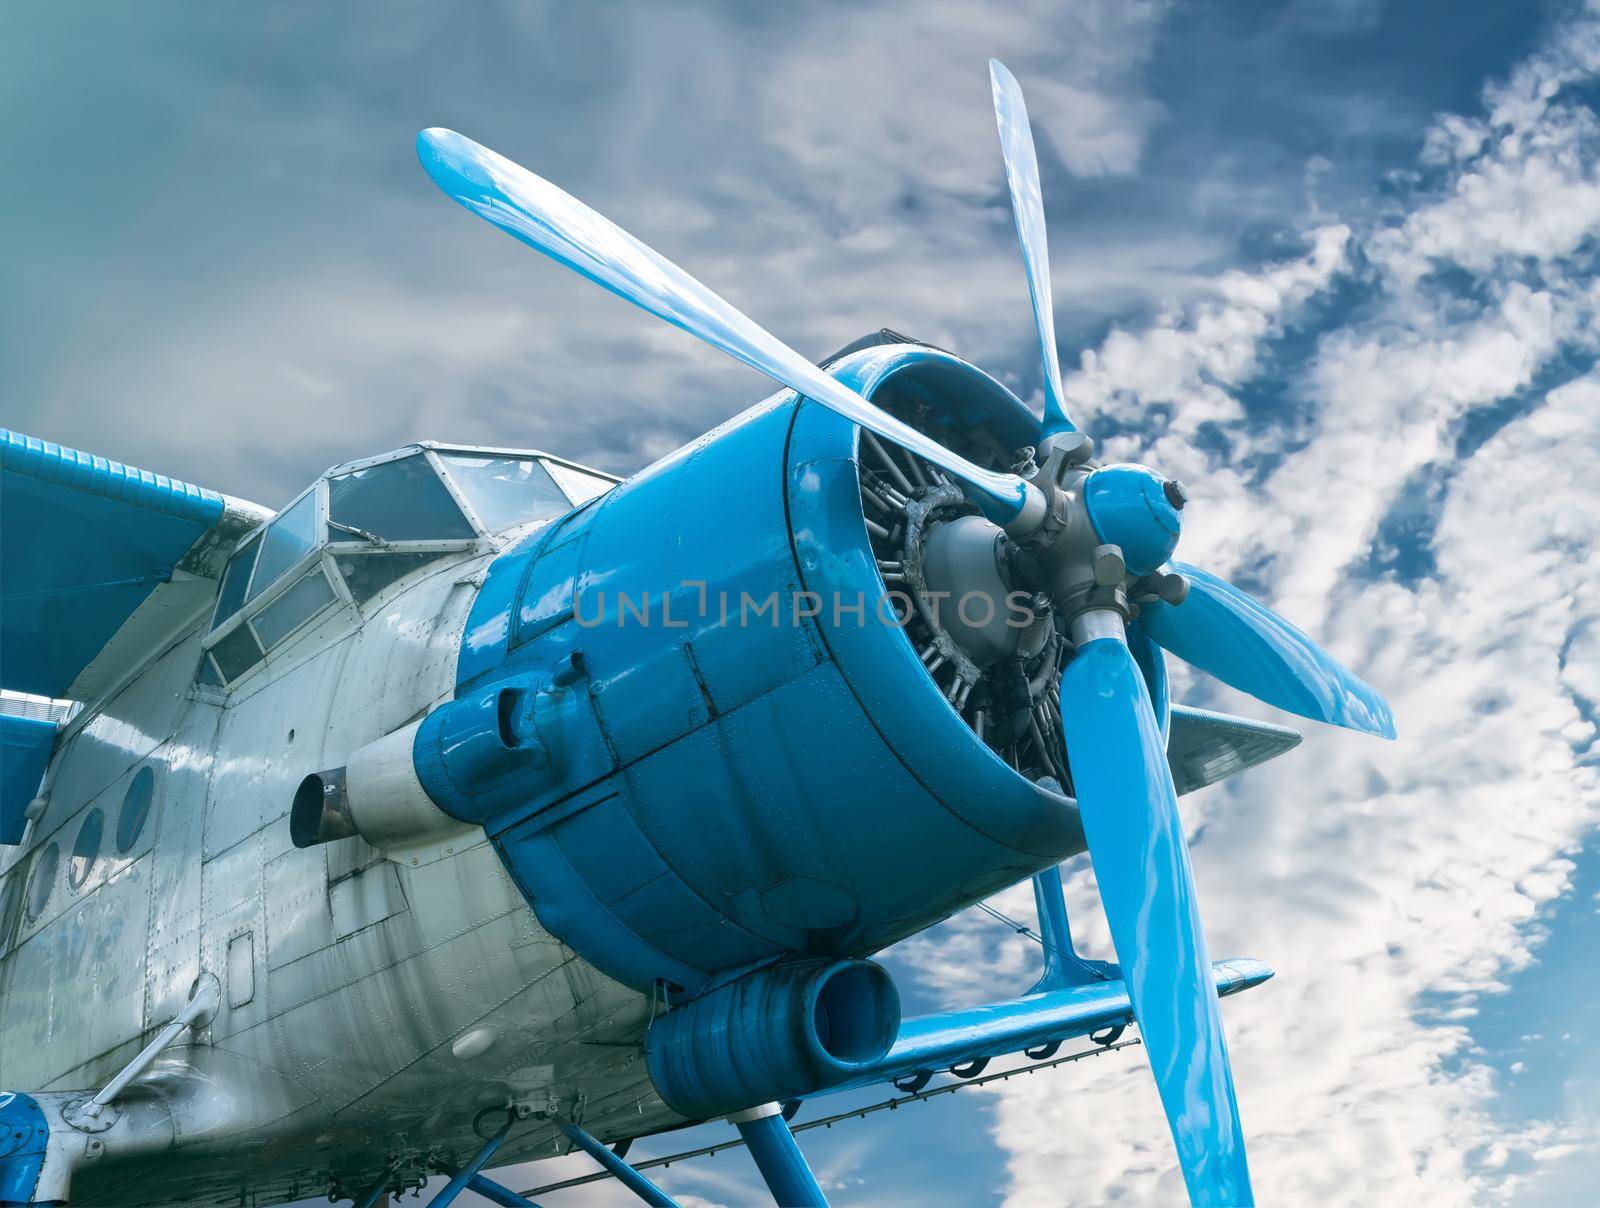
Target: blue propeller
(1141,861)
(1027,207)
(1116,746)
(1218,628)
(1242,642)
(562,227)
(1115,742)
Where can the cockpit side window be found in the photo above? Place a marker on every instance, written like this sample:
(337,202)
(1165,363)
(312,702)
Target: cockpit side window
(289,538)
(367,573)
(400,500)
(235,580)
(506,491)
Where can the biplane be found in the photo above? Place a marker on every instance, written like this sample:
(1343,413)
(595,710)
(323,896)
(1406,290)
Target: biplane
(477,807)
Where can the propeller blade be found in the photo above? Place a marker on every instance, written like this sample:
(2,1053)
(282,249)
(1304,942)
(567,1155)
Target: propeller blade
(1152,665)
(1141,861)
(1027,205)
(1243,643)
(569,232)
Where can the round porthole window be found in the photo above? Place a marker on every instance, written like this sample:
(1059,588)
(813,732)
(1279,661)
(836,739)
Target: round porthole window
(43,880)
(135,809)
(86,850)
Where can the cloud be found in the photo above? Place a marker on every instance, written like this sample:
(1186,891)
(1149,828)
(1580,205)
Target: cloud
(1393,887)
(1525,181)
(276,287)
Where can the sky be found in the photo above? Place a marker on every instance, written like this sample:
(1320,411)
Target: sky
(1336,265)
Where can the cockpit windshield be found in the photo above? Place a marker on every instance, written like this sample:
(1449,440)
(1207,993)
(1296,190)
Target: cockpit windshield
(368,526)
(506,491)
(401,500)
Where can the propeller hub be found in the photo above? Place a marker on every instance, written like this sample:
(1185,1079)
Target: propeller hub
(1135,509)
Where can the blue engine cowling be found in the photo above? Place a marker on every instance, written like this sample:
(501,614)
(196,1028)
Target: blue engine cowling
(685,785)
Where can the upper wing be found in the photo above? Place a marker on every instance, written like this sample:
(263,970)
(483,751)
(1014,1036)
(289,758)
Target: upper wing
(98,563)
(1205,747)
(101,565)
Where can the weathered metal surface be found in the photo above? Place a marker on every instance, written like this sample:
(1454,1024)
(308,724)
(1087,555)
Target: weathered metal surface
(347,976)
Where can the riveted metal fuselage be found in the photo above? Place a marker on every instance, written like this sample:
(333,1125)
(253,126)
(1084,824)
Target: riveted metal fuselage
(351,980)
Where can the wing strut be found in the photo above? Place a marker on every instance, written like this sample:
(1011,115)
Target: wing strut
(619,1169)
(787,1173)
(1062,964)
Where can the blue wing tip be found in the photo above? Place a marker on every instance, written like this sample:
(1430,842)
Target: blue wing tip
(1245,974)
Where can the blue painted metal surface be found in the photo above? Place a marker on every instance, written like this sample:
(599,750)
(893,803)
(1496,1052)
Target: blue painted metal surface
(937,1042)
(85,540)
(544,217)
(1062,964)
(1129,509)
(783,1167)
(1141,862)
(1153,666)
(887,676)
(492,748)
(620,1170)
(1027,207)
(481,1184)
(707,689)
(458,1182)
(25,745)
(24,1134)
(498,1193)
(778,1033)
(1242,642)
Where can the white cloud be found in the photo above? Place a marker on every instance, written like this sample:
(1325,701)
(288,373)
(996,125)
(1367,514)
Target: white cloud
(1526,183)
(338,301)
(1392,886)
(1192,361)
(1085,99)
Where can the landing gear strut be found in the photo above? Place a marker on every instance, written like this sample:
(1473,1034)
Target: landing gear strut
(782,1165)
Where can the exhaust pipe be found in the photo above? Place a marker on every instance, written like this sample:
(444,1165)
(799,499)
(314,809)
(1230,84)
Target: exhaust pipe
(376,795)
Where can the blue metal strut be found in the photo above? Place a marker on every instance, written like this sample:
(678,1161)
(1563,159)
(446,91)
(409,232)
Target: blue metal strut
(778,1157)
(496,1193)
(624,1174)
(468,1172)
(1062,965)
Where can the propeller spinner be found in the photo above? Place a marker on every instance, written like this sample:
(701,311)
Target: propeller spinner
(1094,544)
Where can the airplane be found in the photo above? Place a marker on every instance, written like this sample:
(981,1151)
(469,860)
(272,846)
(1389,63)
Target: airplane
(478,807)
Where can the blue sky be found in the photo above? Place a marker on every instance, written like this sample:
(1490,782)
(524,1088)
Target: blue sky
(1334,264)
